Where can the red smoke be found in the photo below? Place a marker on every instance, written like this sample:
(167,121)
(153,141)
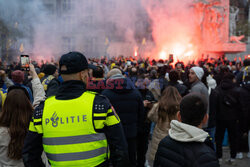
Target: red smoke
(175,29)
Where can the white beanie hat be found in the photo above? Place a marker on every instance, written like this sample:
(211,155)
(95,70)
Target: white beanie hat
(198,72)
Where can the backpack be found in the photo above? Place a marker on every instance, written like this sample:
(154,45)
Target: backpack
(228,99)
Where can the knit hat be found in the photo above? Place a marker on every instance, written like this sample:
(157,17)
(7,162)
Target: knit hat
(17,76)
(198,72)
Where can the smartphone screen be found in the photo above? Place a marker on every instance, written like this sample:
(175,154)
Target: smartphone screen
(25,61)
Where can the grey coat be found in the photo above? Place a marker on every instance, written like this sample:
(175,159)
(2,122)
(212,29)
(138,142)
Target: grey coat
(199,87)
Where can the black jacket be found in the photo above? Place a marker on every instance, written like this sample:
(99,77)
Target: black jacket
(146,95)
(227,101)
(33,148)
(172,153)
(213,97)
(128,104)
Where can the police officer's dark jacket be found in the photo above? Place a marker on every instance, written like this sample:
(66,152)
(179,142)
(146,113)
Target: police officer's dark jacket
(71,90)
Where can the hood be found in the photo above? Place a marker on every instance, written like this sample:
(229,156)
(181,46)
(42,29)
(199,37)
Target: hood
(117,76)
(211,83)
(186,133)
(227,84)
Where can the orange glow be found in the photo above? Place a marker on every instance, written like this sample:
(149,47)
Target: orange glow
(136,53)
(163,55)
(184,52)
(178,49)
(190,53)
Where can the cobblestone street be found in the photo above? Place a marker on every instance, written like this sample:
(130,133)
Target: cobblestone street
(245,162)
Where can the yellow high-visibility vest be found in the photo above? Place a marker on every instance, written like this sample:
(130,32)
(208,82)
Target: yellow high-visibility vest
(69,137)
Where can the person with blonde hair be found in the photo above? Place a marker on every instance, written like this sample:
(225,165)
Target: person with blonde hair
(162,114)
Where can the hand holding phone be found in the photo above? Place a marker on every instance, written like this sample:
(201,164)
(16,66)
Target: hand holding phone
(32,71)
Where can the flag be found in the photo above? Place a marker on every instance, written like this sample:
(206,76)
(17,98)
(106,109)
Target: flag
(143,41)
(21,49)
(106,41)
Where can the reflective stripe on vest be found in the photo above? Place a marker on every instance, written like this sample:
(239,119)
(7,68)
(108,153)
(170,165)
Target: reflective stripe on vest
(46,82)
(69,138)
(78,155)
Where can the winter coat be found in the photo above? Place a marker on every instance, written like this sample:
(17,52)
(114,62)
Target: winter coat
(227,101)
(160,130)
(38,92)
(185,147)
(127,102)
(146,95)
(199,87)
(212,108)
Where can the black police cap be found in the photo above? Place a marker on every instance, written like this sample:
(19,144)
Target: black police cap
(74,61)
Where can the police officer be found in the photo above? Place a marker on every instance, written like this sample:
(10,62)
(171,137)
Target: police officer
(76,127)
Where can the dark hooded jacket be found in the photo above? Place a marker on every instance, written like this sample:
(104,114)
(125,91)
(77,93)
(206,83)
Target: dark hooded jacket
(127,102)
(228,106)
(172,153)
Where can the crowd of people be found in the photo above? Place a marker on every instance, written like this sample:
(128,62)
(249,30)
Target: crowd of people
(99,111)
